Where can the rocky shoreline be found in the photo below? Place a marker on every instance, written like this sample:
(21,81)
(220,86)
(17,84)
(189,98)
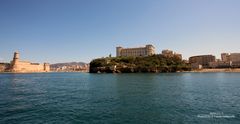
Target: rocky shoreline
(218,70)
(229,70)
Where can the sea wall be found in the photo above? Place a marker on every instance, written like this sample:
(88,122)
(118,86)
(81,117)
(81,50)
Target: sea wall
(218,70)
(24,66)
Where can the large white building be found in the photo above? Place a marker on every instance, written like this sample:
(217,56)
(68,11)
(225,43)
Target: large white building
(138,51)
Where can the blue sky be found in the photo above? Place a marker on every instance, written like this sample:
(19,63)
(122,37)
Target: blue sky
(81,30)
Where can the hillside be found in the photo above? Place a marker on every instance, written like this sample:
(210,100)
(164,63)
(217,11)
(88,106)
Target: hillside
(58,65)
(155,64)
(69,67)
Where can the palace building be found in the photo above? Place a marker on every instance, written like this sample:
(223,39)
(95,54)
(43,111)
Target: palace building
(138,51)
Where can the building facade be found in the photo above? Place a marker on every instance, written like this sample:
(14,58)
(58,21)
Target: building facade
(135,52)
(17,65)
(167,53)
(228,60)
(170,53)
(220,64)
(233,58)
(225,57)
(202,60)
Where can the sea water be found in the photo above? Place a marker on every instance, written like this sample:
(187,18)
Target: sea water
(139,98)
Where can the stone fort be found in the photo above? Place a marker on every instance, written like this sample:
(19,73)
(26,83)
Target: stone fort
(17,65)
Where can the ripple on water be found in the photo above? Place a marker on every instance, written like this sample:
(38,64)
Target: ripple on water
(118,98)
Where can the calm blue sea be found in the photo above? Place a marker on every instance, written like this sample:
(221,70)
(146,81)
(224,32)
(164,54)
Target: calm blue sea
(171,98)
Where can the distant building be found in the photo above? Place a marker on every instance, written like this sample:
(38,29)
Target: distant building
(225,57)
(220,64)
(139,51)
(16,65)
(202,60)
(233,58)
(167,52)
(196,66)
(170,53)
(70,67)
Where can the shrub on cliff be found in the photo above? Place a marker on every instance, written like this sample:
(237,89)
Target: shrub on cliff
(155,63)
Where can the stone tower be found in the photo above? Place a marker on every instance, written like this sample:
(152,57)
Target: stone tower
(118,51)
(46,67)
(16,56)
(15,61)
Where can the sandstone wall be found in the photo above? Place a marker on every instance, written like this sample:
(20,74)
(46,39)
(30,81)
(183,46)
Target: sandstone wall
(23,66)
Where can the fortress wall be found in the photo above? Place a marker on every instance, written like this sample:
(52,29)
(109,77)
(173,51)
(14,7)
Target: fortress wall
(23,66)
(17,65)
(46,67)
